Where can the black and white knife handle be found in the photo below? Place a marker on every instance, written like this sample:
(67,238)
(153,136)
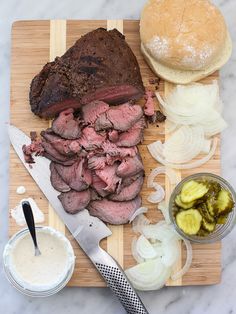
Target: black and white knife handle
(118,282)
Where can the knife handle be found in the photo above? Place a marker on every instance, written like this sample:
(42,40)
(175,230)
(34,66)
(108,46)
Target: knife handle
(118,282)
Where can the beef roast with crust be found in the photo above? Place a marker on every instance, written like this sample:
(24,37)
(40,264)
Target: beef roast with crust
(87,72)
(115,213)
(74,201)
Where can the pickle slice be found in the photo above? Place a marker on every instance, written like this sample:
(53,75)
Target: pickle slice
(208,226)
(205,213)
(181,204)
(189,221)
(221,220)
(224,202)
(202,233)
(193,190)
(211,206)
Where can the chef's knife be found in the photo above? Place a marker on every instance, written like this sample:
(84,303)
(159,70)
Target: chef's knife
(86,229)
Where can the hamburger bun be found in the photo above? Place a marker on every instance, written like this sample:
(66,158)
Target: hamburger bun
(184,40)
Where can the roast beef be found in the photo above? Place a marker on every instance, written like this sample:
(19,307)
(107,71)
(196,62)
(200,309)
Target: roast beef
(130,166)
(87,72)
(51,153)
(57,181)
(116,213)
(97,162)
(113,135)
(74,201)
(121,117)
(66,125)
(133,136)
(129,180)
(93,110)
(90,139)
(77,176)
(149,105)
(99,185)
(68,148)
(108,175)
(129,192)
(112,150)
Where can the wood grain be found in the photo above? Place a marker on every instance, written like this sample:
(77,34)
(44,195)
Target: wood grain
(33,44)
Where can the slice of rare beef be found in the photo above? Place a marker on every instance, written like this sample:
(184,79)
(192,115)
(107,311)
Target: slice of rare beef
(51,153)
(114,151)
(77,176)
(129,192)
(90,139)
(121,117)
(115,213)
(133,136)
(130,166)
(108,175)
(87,72)
(57,181)
(99,185)
(66,125)
(74,201)
(97,162)
(93,110)
(65,147)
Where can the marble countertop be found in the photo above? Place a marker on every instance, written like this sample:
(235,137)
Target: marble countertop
(187,300)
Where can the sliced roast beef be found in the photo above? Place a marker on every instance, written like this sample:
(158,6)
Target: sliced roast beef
(120,117)
(129,180)
(133,136)
(99,185)
(52,154)
(77,176)
(87,72)
(108,175)
(113,135)
(66,125)
(90,139)
(65,147)
(115,213)
(130,166)
(112,150)
(93,110)
(97,162)
(74,201)
(149,105)
(57,181)
(128,193)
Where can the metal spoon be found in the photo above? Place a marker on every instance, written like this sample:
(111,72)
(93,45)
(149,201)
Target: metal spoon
(29,217)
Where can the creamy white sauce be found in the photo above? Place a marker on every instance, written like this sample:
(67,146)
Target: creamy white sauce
(20,190)
(43,272)
(18,215)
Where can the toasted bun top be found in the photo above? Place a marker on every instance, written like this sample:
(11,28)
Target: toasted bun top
(183,34)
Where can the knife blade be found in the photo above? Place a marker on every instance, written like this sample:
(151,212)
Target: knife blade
(86,229)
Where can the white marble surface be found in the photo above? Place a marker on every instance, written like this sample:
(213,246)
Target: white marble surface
(188,300)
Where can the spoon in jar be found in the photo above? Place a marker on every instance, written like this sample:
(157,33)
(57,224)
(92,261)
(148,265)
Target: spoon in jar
(29,217)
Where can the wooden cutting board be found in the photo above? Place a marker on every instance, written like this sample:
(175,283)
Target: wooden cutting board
(33,44)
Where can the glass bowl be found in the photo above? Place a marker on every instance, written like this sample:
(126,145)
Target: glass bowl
(28,291)
(221,230)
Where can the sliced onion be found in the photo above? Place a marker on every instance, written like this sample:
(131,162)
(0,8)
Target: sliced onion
(135,254)
(188,262)
(171,174)
(184,144)
(139,222)
(145,249)
(150,275)
(206,147)
(155,150)
(160,231)
(171,252)
(139,211)
(157,245)
(165,211)
(157,196)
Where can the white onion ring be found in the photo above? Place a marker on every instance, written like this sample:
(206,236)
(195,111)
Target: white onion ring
(187,264)
(157,196)
(154,150)
(138,223)
(139,211)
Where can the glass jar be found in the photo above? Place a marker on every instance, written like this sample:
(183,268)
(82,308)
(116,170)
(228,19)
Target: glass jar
(12,278)
(221,230)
